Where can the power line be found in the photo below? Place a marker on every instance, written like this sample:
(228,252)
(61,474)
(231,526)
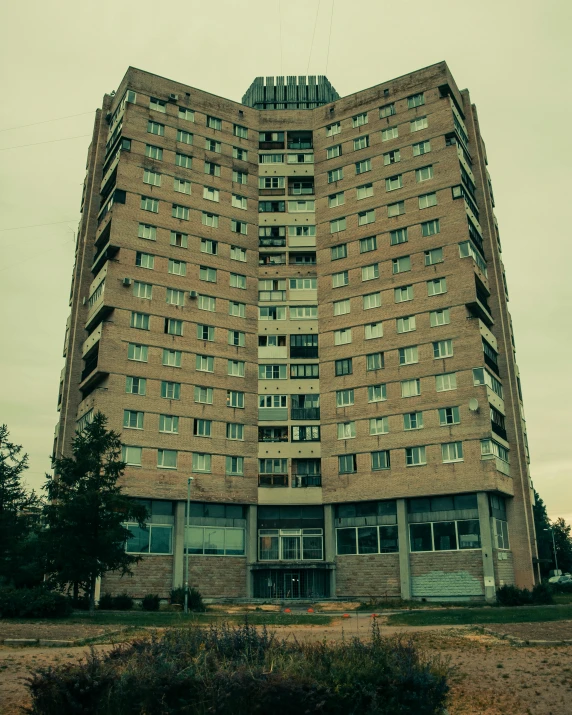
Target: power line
(51,141)
(330,35)
(35,225)
(45,121)
(313,35)
(280,23)
(30,260)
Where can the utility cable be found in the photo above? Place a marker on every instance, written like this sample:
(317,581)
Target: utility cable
(330,36)
(280,23)
(35,225)
(45,121)
(313,36)
(50,141)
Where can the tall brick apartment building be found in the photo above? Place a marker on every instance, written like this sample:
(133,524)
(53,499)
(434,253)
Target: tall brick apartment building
(300,302)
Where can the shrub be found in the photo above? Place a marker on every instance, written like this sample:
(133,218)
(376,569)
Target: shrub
(240,671)
(106,602)
(151,602)
(542,595)
(177,596)
(123,602)
(37,602)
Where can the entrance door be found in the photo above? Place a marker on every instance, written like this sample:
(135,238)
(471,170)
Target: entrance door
(291,584)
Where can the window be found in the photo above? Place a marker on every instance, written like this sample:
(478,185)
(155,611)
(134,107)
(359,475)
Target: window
(359,120)
(373,330)
(409,355)
(205,363)
(205,302)
(388,110)
(363,166)
(368,244)
(157,104)
(447,381)
(405,325)
(306,433)
(186,114)
(396,209)
(484,377)
(235,465)
(237,281)
(179,239)
(340,279)
(136,385)
(201,462)
(272,312)
(443,349)
(401,265)
(361,142)
(211,194)
(209,220)
(137,352)
(212,169)
(184,137)
(172,358)
(170,390)
(380,460)
(374,361)
(449,416)
(389,133)
(204,395)
(234,431)
(452,452)
(131,455)
(238,131)
(365,217)
(208,246)
(335,175)
(300,206)
(344,398)
(427,200)
(142,290)
(236,338)
(240,177)
(175,297)
(437,286)
(376,393)
(156,128)
(371,300)
(183,160)
(378,425)
(132,419)
(342,337)
(151,177)
(368,273)
(303,283)
(336,199)
(415,456)
(177,268)
(237,309)
(235,368)
(239,202)
(418,123)
(346,430)
(415,100)
(333,151)
(333,129)
(216,540)
(343,367)
(341,307)
(491,447)
(340,251)
(403,294)
(338,225)
(213,145)
(153,152)
(207,274)
(202,428)
(394,182)
(239,153)
(364,191)
(237,253)
(235,399)
(305,371)
(423,174)
(182,186)
(273,206)
(272,372)
(215,123)
(439,317)
(180,212)
(140,321)
(410,388)
(347,463)
(391,157)
(169,423)
(421,148)
(434,256)
(149,204)
(304,312)
(147,231)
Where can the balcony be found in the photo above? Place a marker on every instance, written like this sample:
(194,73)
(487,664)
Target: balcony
(99,309)
(272,242)
(272,480)
(500,464)
(305,413)
(266,295)
(273,434)
(92,372)
(498,429)
(304,351)
(92,340)
(272,414)
(300,140)
(480,309)
(306,480)
(298,187)
(107,253)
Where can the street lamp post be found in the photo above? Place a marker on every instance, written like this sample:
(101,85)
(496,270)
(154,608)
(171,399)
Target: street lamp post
(185,545)
(554,547)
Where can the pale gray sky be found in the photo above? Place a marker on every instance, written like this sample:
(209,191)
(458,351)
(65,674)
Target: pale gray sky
(59,59)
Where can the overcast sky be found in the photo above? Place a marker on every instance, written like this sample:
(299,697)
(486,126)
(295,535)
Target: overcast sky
(59,59)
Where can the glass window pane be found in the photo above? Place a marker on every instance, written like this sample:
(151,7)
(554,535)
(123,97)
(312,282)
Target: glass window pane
(420,535)
(388,543)
(194,539)
(367,540)
(346,541)
(469,534)
(214,541)
(161,539)
(138,543)
(444,535)
(234,544)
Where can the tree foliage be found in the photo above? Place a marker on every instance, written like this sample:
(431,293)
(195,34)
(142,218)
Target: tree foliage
(86,508)
(563,541)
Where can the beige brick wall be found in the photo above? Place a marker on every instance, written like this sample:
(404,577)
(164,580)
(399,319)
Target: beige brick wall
(373,576)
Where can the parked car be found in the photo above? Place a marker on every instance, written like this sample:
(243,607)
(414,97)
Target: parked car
(563,578)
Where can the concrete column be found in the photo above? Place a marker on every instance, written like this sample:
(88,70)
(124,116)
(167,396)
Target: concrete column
(487,546)
(251,546)
(403,535)
(330,544)
(179,545)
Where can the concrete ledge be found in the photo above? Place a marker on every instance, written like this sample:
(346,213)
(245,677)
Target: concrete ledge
(56,643)
(514,640)
(20,641)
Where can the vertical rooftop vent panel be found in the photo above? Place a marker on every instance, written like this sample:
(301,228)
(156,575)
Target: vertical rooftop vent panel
(295,93)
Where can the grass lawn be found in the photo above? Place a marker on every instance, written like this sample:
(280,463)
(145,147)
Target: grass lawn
(475,616)
(162,619)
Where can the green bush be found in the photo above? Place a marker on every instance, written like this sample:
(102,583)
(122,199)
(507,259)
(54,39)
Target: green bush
(177,596)
(123,602)
(540,595)
(241,671)
(37,602)
(151,602)
(105,602)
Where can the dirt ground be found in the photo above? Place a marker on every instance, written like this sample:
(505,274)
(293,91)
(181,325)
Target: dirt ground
(489,675)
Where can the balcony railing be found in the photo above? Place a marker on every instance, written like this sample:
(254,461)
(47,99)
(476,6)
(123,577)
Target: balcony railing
(264,295)
(497,429)
(298,144)
(307,480)
(303,351)
(305,413)
(272,480)
(272,242)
